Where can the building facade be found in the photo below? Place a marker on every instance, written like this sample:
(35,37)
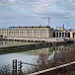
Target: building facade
(36,32)
(27,32)
(61,32)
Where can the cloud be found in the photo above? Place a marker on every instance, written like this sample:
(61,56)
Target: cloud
(12,1)
(58,10)
(70,0)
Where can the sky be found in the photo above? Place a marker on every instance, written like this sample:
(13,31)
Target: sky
(36,12)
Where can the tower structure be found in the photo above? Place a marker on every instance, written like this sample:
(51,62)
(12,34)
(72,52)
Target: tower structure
(48,21)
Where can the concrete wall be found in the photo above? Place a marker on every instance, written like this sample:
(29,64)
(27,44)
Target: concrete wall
(72,34)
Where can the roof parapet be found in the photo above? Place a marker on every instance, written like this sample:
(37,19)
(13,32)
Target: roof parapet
(30,27)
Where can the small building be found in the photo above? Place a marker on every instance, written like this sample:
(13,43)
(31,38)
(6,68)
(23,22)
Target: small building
(60,28)
(61,32)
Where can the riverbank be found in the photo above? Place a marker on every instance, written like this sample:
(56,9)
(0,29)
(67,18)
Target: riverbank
(33,46)
(63,62)
(58,59)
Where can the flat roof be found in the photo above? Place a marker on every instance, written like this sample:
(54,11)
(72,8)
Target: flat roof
(30,27)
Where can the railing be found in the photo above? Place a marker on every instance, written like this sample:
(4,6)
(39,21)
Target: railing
(45,72)
(18,64)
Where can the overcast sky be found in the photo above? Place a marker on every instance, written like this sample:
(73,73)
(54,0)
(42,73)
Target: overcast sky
(35,12)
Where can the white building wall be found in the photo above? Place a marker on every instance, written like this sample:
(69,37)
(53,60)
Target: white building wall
(26,32)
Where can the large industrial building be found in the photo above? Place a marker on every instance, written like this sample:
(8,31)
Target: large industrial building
(27,32)
(38,32)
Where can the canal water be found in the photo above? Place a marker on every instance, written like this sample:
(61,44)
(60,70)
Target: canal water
(12,43)
(29,56)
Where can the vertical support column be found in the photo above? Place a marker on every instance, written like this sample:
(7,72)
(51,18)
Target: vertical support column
(4,33)
(19,32)
(32,33)
(39,33)
(72,34)
(8,32)
(61,34)
(13,33)
(64,34)
(58,34)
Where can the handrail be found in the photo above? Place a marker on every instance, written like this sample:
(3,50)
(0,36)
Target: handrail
(57,67)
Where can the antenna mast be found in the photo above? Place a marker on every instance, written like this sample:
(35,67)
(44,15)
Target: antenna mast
(48,20)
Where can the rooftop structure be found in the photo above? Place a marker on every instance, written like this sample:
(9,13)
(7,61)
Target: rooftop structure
(61,28)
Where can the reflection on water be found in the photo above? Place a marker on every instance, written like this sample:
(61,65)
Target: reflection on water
(7,58)
(44,50)
(12,43)
(27,56)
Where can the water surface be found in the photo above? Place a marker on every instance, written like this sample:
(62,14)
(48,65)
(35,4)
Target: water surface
(29,56)
(13,43)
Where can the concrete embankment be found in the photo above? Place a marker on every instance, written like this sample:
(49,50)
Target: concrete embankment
(36,39)
(31,46)
(24,47)
(46,40)
(41,43)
